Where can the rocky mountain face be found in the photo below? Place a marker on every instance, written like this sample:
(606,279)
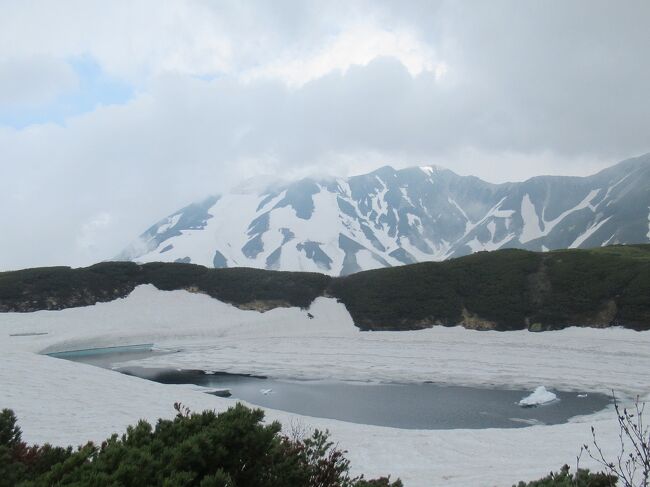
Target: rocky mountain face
(391,217)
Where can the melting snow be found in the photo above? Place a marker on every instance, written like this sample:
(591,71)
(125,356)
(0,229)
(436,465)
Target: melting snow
(532,228)
(379,200)
(533,223)
(611,188)
(585,203)
(171,222)
(491,226)
(413,220)
(367,260)
(495,212)
(428,170)
(588,233)
(227,230)
(538,397)
(406,197)
(92,403)
(468,223)
(440,250)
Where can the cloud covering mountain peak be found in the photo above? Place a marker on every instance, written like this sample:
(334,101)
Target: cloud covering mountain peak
(391,217)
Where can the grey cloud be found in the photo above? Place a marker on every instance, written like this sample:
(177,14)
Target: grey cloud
(532,88)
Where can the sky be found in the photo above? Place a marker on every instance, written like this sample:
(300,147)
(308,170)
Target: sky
(115,114)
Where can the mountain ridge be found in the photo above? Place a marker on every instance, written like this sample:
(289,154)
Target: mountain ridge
(510,289)
(392,217)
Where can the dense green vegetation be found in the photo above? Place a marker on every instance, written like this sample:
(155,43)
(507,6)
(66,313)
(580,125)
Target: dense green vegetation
(503,290)
(582,478)
(489,285)
(63,287)
(230,449)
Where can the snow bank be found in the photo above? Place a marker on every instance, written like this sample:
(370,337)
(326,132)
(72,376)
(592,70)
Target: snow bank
(538,397)
(91,403)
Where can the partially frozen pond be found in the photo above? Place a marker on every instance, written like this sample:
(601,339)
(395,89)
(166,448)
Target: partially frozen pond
(412,406)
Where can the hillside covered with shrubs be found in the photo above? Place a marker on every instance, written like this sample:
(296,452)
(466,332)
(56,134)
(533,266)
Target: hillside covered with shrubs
(502,290)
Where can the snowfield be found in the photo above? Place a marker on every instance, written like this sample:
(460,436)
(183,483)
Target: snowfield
(62,402)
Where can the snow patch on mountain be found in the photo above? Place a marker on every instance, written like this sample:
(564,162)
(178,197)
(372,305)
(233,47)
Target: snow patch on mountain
(536,227)
(590,231)
(391,217)
(532,228)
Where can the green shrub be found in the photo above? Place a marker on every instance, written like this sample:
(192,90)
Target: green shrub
(506,289)
(20,462)
(582,478)
(231,449)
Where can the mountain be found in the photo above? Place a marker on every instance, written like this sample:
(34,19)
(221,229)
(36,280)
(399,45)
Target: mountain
(507,289)
(391,217)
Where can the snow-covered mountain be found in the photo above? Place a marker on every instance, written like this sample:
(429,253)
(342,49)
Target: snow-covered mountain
(391,217)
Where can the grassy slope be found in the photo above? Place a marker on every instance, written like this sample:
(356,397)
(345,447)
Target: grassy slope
(507,289)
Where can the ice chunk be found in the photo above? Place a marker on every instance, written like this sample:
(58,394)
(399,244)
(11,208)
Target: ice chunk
(538,397)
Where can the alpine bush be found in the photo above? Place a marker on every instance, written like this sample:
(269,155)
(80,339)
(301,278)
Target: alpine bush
(230,449)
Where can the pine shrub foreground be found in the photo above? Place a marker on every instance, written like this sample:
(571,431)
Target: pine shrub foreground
(564,478)
(230,449)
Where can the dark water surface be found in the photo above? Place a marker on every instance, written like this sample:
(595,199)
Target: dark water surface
(412,406)
(108,357)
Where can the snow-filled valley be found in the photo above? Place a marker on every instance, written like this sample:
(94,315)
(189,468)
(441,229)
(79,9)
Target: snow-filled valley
(91,403)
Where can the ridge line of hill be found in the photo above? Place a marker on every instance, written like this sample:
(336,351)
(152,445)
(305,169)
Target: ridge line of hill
(502,290)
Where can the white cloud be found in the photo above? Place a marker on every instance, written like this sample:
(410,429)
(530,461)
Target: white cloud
(130,40)
(358,45)
(292,41)
(232,89)
(90,235)
(34,80)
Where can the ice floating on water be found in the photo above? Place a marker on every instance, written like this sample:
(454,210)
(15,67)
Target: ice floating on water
(538,397)
(531,422)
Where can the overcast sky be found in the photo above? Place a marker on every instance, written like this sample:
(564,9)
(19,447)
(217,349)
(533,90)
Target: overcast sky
(114,114)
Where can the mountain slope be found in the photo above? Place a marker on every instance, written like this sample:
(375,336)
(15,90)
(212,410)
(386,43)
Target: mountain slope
(391,217)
